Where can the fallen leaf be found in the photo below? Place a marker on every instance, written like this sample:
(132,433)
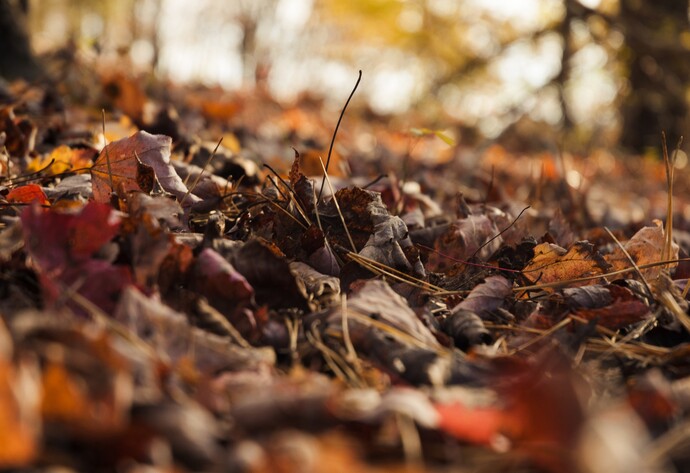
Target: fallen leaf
(624,309)
(487,296)
(478,425)
(644,247)
(461,240)
(64,159)
(27,194)
(68,256)
(20,422)
(133,164)
(551,263)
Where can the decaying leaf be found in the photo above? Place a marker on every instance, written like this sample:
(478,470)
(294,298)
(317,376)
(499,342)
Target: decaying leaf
(461,239)
(645,247)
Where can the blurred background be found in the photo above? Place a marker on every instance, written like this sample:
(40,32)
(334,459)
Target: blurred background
(582,73)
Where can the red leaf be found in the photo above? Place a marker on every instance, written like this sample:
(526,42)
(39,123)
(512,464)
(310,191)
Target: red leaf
(62,247)
(27,194)
(55,239)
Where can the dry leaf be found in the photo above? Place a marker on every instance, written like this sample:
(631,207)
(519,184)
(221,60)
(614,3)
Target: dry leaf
(551,263)
(133,164)
(27,194)
(644,247)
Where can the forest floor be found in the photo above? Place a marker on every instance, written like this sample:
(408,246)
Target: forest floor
(173,304)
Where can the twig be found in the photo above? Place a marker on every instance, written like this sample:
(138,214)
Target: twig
(335,132)
(198,177)
(500,233)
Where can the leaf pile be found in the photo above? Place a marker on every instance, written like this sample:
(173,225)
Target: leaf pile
(172,308)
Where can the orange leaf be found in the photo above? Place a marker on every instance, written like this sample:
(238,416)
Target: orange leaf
(479,425)
(551,263)
(64,399)
(27,194)
(17,431)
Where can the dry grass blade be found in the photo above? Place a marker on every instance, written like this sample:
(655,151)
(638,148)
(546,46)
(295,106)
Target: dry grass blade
(668,301)
(384,270)
(632,262)
(335,361)
(670,165)
(409,438)
(224,322)
(349,347)
(198,177)
(563,323)
(316,209)
(673,441)
(265,199)
(631,344)
(337,206)
(623,343)
(404,337)
(293,333)
(606,347)
(293,196)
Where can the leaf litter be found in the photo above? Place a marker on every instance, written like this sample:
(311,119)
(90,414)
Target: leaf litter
(171,306)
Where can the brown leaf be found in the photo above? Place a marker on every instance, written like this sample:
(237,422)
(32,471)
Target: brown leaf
(462,239)
(644,247)
(133,164)
(487,296)
(625,309)
(270,276)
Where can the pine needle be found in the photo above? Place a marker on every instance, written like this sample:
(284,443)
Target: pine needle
(198,177)
(337,207)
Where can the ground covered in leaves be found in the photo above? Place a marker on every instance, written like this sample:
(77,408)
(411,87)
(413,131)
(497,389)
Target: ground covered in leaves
(173,305)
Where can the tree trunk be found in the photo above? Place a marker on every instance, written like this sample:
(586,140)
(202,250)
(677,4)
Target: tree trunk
(658,68)
(16,59)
